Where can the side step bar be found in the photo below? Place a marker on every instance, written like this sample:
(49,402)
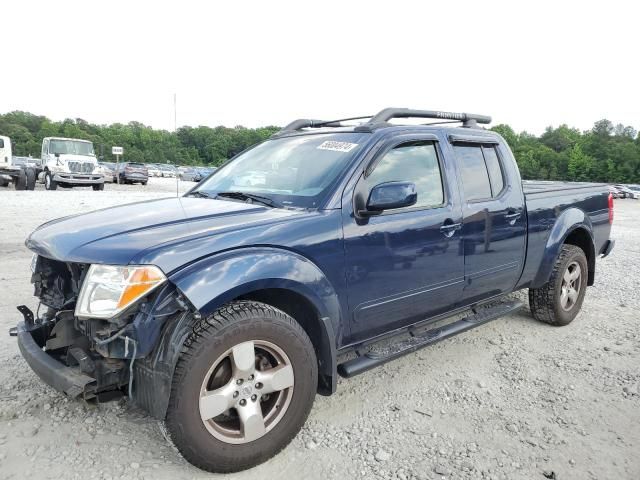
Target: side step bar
(483,315)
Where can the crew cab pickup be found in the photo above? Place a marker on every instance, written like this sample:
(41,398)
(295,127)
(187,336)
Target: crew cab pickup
(223,312)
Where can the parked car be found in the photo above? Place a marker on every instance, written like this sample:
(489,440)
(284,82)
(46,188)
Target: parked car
(206,171)
(615,192)
(167,171)
(225,311)
(626,191)
(107,170)
(131,172)
(153,170)
(190,175)
(635,189)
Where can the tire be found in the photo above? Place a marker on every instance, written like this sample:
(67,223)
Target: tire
(49,182)
(144,184)
(31,179)
(4,183)
(98,187)
(559,300)
(20,183)
(261,333)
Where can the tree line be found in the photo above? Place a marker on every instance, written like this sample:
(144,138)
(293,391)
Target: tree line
(606,153)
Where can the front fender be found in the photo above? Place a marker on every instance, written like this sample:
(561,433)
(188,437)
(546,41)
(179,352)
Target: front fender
(568,221)
(210,283)
(216,280)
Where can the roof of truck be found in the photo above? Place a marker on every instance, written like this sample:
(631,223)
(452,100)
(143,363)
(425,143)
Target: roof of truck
(64,138)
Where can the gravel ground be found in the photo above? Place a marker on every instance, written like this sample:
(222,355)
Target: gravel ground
(514,399)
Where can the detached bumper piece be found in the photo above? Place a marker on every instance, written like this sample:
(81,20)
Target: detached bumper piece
(69,380)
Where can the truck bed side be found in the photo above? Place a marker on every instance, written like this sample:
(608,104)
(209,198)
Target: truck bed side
(557,211)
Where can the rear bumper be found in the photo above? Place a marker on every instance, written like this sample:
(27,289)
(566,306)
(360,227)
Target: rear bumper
(69,380)
(607,247)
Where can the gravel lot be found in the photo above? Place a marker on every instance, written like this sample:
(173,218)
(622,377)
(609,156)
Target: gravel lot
(514,399)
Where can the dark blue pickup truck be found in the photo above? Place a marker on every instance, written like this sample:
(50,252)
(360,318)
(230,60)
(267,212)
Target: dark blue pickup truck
(226,310)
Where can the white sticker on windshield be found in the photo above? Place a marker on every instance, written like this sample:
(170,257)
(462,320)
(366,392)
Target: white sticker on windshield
(337,146)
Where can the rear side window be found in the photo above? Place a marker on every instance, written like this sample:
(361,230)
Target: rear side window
(475,178)
(1,142)
(482,176)
(495,171)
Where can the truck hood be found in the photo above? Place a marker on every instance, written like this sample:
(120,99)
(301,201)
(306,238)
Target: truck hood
(132,233)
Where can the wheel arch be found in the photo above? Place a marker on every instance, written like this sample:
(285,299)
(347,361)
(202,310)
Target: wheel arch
(280,278)
(572,227)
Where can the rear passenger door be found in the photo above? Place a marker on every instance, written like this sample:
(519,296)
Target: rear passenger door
(494,223)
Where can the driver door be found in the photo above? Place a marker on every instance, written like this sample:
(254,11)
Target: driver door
(404,264)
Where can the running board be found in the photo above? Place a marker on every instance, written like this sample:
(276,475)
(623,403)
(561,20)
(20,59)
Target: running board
(483,315)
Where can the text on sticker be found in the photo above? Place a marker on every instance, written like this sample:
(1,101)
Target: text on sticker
(337,146)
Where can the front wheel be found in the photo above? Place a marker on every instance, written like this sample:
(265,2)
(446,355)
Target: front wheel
(559,300)
(243,387)
(49,182)
(99,186)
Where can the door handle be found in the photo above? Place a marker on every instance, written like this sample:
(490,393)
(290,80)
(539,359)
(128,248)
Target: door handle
(448,229)
(512,216)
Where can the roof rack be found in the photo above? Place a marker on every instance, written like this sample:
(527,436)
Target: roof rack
(467,119)
(381,119)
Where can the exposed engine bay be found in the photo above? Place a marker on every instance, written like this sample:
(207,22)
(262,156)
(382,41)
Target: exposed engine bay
(100,352)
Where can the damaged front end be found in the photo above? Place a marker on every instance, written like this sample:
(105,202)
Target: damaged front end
(95,358)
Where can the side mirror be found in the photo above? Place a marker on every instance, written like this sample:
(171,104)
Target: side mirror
(390,195)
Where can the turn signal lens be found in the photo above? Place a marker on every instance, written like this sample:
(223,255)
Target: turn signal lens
(109,289)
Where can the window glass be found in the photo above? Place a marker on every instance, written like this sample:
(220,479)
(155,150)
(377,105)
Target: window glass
(412,162)
(475,179)
(297,171)
(494,168)
(1,142)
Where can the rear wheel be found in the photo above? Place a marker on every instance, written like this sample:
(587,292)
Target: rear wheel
(243,387)
(49,182)
(21,181)
(560,299)
(31,179)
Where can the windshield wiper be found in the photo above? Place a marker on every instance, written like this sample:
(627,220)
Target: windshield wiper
(250,196)
(200,194)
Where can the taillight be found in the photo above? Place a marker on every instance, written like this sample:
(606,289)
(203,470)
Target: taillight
(610,208)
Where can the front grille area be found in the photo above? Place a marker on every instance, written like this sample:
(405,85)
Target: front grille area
(81,167)
(57,284)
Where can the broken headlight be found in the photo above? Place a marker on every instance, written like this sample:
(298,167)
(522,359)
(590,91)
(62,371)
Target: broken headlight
(109,289)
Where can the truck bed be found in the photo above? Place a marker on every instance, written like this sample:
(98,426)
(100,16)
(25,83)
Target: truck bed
(548,204)
(537,187)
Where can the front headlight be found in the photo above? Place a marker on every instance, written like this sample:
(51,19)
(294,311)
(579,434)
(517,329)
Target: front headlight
(109,289)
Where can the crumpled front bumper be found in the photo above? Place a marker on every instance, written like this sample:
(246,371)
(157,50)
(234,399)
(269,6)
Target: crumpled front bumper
(69,380)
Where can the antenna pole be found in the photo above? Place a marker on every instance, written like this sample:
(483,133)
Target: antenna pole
(175,130)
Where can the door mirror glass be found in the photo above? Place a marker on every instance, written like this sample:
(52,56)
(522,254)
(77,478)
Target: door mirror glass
(390,195)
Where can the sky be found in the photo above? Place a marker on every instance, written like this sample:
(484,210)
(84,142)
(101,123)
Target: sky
(526,63)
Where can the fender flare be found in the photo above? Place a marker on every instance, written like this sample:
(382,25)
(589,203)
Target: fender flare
(570,220)
(214,281)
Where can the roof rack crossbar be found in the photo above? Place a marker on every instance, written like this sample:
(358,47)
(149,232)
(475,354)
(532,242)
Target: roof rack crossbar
(301,123)
(468,119)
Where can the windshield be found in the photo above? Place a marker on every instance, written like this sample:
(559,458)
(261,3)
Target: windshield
(74,147)
(294,171)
